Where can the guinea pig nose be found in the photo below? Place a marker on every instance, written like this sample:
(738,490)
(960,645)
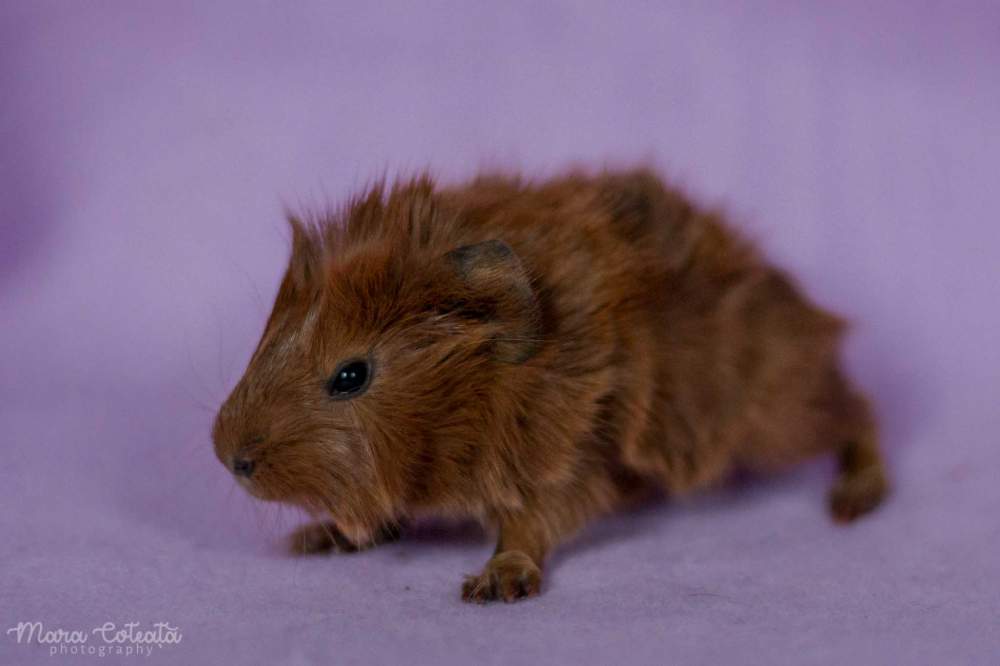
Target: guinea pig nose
(242,467)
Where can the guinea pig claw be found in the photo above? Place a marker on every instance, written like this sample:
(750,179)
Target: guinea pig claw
(508,577)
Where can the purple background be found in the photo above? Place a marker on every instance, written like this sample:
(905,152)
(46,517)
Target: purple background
(147,151)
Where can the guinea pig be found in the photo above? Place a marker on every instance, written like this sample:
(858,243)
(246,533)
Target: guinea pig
(532,356)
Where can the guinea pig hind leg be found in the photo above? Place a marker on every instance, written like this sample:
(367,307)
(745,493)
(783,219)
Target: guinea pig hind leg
(862,482)
(325,537)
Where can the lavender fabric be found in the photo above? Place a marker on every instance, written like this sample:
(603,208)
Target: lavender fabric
(147,151)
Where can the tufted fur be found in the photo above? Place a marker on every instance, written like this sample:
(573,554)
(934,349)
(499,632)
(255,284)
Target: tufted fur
(540,354)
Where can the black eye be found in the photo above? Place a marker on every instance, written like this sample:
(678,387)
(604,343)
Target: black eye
(349,381)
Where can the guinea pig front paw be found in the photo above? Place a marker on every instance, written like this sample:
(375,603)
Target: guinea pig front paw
(509,576)
(320,538)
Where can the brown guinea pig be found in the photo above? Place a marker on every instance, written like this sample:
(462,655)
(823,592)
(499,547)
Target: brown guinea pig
(532,356)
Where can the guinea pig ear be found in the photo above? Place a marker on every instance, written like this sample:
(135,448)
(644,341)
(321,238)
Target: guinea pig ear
(496,289)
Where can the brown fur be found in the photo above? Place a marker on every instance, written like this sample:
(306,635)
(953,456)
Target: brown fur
(540,354)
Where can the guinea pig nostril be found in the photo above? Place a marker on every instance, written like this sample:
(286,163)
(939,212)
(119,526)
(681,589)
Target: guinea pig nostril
(243,467)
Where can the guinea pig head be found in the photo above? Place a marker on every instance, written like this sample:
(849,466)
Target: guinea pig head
(381,352)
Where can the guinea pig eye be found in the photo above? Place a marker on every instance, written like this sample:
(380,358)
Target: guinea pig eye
(350,380)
